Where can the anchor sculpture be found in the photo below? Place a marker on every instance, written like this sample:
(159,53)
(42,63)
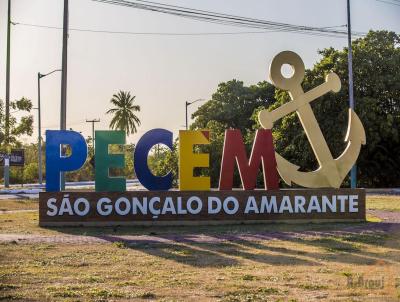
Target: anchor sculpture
(331,172)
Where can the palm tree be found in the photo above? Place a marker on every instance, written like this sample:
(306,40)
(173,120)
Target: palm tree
(124,112)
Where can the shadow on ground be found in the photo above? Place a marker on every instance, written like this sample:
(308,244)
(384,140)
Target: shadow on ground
(217,246)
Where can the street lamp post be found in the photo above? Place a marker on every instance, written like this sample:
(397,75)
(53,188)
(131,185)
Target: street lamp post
(40,124)
(187,104)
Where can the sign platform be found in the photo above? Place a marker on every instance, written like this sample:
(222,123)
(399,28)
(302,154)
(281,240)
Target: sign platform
(200,207)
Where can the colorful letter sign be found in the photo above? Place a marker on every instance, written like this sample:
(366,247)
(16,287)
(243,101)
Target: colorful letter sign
(143,147)
(104,161)
(195,201)
(262,153)
(189,160)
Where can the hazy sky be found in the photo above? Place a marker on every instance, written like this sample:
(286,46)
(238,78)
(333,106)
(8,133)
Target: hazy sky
(162,71)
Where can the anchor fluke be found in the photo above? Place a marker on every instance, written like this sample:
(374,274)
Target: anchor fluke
(317,179)
(355,137)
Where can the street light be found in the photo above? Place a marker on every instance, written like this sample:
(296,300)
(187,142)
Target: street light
(40,124)
(187,104)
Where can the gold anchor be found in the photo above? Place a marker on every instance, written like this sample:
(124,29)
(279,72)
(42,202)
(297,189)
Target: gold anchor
(331,172)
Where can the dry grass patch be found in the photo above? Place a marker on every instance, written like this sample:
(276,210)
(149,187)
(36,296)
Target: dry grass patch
(21,223)
(383,202)
(18,204)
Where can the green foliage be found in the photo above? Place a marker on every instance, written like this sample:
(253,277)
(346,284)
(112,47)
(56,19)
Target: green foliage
(23,126)
(233,104)
(124,117)
(30,172)
(164,160)
(129,170)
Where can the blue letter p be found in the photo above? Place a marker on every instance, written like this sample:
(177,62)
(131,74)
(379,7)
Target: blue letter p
(56,162)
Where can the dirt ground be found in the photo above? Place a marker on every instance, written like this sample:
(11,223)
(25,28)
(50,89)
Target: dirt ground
(305,262)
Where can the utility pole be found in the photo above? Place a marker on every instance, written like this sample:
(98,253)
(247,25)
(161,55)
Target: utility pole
(63,115)
(93,121)
(353,172)
(7,117)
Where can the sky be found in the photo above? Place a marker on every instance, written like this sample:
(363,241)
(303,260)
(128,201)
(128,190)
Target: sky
(161,71)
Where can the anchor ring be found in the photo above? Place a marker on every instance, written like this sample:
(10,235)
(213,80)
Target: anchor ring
(275,70)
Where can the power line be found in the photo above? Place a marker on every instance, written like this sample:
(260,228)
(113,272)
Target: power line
(155,33)
(226,19)
(397,3)
(54,126)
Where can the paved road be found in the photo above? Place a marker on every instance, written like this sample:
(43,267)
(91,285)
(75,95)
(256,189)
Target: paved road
(31,191)
(69,184)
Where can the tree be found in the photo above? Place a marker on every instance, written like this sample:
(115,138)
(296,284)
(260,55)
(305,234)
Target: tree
(233,104)
(376,64)
(23,126)
(124,117)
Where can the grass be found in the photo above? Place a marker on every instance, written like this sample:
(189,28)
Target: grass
(228,271)
(313,286)
(260,294)
(383,202)
(21,204)
(314,268)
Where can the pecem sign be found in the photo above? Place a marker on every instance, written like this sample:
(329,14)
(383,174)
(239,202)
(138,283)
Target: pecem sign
(195,202)
(234,152)
(188,207)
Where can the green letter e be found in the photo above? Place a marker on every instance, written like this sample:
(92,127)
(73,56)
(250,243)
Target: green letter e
(104,161)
